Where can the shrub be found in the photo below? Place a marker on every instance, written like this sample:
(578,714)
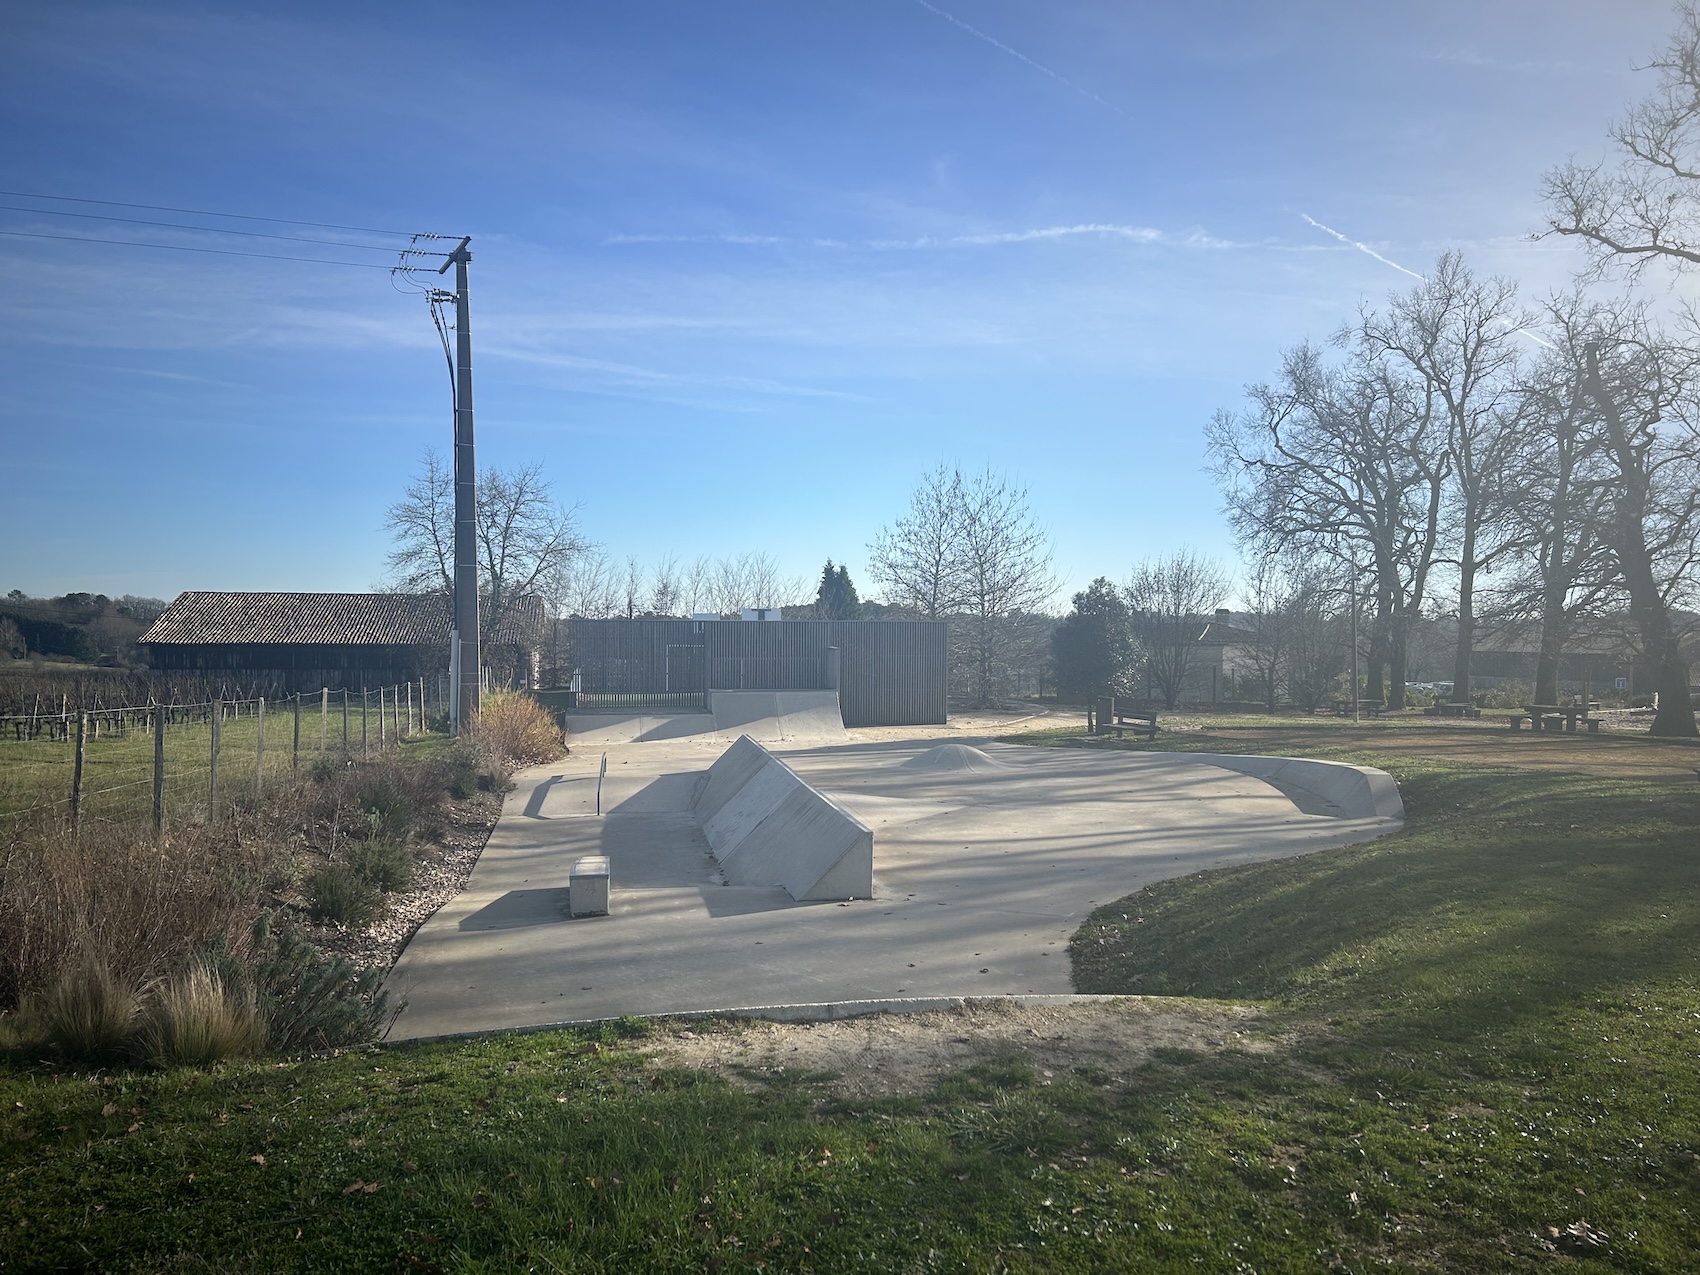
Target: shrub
(337,893)
(387,805)
(308,999)
(89,1012)
(518,730)
(199,1018)
(384,865)
(1509,695)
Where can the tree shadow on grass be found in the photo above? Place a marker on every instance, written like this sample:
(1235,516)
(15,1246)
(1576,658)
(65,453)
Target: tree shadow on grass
(1511,895)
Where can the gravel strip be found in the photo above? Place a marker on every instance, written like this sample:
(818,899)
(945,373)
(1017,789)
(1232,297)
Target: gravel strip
(439,874)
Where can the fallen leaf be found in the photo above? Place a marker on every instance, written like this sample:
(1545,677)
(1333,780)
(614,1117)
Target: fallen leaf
(134,1127)
(110,1109)
(257,1159)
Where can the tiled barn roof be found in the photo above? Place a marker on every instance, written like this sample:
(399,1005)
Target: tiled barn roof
(322,619)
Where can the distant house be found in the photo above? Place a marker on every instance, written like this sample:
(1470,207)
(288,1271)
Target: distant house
(1224,663)
(303,641)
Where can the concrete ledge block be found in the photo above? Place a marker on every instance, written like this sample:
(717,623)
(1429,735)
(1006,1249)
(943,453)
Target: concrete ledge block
(767,826)
(588,886)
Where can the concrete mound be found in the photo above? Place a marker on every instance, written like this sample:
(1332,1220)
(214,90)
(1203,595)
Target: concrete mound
(957,757)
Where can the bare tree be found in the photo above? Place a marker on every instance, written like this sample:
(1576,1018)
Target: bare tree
(1003,564)
(592,587)
(1456,333)
(696,584)
(1318,639)
(527,542)
(666,592)
(1646,207)
(1169,601)
(918,559)
(1564,569)
(1275,598)
(1642,388)
(1347,463)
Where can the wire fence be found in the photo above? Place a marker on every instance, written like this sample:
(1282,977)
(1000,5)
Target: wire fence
(179,763)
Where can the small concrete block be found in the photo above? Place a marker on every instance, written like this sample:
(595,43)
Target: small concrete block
(589,881)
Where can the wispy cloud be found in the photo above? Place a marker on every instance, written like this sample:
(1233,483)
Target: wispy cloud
(981,239)
(1022,57)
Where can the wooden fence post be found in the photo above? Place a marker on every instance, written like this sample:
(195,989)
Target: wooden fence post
(158,767)
(259,746)
(295,743)
(364,709)
(383,734)
(216,720)
(324,714)
(345,721)
(410,708)
(77,772)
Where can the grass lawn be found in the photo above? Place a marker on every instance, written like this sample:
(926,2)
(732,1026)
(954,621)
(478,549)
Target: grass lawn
(1478,1053)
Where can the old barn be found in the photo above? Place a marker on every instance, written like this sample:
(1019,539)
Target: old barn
(303,641)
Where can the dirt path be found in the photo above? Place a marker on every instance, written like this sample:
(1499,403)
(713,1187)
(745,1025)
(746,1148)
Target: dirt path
(887,1054)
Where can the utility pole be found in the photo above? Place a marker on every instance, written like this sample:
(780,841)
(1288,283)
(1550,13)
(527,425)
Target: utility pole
(464,629)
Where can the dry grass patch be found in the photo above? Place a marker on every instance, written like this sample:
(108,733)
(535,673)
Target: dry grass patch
(881,1055)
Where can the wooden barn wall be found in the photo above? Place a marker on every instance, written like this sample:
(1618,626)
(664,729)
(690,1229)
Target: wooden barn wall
(891,672)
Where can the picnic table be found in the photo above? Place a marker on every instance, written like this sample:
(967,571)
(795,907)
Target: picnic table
(1446,708)
(1555,717)
(1371,707)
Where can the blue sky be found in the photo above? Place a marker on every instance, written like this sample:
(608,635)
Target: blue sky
(742,271)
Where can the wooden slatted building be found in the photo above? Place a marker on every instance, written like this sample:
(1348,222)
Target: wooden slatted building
(886,672)
(308,640)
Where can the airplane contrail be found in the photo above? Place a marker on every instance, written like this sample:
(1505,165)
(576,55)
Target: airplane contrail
(1361,247)
(1020,56)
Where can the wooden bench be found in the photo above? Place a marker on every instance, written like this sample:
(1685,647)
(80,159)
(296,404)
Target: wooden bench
(1552,718)
(1106,717)
(1129,719)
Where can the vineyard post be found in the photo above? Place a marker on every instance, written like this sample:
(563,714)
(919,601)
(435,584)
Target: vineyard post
(295,743)
(158,767)
(216,718)
(259,746)
(77,771)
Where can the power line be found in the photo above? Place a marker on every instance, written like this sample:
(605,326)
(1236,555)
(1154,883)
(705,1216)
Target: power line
(222,252)
(203,212)
(211,230)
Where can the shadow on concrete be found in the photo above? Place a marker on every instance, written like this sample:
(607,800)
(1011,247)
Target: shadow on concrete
(534,804)
(746,900)
(519,909)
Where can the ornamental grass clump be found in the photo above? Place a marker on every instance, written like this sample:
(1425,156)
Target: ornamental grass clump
(89,1012)
(517,730)
(199,1018)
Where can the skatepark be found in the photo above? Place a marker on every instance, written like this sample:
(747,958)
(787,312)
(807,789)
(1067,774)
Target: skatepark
(735,838)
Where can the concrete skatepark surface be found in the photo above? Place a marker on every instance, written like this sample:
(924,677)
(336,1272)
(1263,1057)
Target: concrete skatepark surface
(986,858)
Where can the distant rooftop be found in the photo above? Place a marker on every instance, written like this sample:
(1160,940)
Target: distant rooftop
(321,619)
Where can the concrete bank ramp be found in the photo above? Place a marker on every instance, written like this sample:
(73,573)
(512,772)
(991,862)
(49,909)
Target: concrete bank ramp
(767,826)
(1348,792)
(772,717)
